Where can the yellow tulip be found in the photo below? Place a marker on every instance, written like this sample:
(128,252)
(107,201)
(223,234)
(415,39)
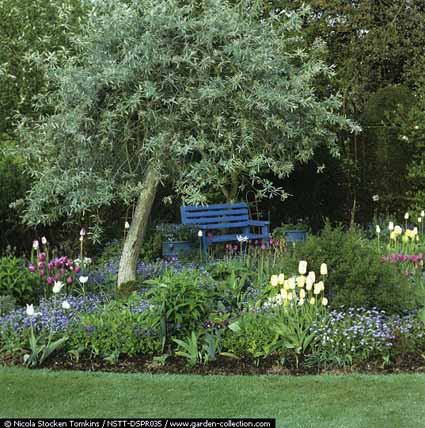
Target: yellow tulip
(301,302)
(316,289)
(309,285)
(323,269)
(302,294)
(289,296)
(393,235)
(321,285)
(274,280)
(292,283)
(283,293)
(301,281)
(286,284)
(281,278)
(324,301)
(312,301)
(311,277)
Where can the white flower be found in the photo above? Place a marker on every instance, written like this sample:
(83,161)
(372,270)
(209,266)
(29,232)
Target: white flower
(87,260)
(390,226)
(302,267)
(44,240)
(58,287)
(66,305)
(405,138)
(30,310)
(419,219)
(274,280)
(398,230)
(83,279)
(406,216)
(292,282)
(126,225)
(281,278)
(200,234)
(416,127)
(241,238)
(35,244)
(83,232)
(323,269)
(375,198)
(422,213)
(378,229)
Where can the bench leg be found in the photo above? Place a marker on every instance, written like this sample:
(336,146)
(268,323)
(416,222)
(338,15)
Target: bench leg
(265,232)
(205,244)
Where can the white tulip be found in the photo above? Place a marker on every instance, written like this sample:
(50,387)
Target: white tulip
(30,310)
(83,279)
(35,244)
(390,226)
(126,225)
(378,229)
(422,213)
(58,287)
(323,269)
(302,267)
(66,305)
(398,230)
(200,234)
(44,240)
(406,216)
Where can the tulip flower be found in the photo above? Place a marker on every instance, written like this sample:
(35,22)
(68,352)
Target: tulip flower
(281,278)
(324,301)
(30,310)
(66,305)
(378,229)
(274,280)
(302,294)
(49,280)
(302,267)
(35,245)
(83,232)
(58,287)
(406,216)
(284,293)
(42,257)
(83,279)
(390,226)
(126,225)
(69,280)
(422,213)
(323,269)
(311,277)
(31,268)
(292,283)
(312,301)
(301,281)
(289,297)
(44,240)
(398,230)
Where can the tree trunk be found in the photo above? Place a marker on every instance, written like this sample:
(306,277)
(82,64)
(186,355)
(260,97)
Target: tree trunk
(134,239)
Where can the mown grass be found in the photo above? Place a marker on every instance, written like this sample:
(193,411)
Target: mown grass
(312,401)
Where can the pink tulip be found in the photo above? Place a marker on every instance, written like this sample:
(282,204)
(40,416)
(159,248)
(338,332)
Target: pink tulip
(69,280)
(41,273)
(31,268)
(77,269)
(50,280)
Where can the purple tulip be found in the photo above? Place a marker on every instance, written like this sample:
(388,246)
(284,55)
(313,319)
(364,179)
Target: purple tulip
(40,265)
(41,273)
(77,269)
(62,271)
(31,268)
(50,280)
(42,257)
(50,266)
(57,277)
(69,280)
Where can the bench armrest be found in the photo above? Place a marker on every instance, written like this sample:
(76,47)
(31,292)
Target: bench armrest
(258,223)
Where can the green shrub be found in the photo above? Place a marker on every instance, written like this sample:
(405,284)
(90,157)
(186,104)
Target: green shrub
(357,277)
(7,304)
(181,302)
(16,280)
(117,328)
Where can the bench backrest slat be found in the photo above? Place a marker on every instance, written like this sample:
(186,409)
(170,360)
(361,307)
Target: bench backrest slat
(216,216)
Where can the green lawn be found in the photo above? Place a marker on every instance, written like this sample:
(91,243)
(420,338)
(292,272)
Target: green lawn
(322,401)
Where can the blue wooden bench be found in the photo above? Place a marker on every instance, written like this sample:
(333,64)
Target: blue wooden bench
(222,217)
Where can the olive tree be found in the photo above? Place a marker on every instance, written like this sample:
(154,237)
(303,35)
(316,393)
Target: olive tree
(204,94)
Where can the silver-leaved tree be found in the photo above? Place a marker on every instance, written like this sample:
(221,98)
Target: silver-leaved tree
(208,95)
